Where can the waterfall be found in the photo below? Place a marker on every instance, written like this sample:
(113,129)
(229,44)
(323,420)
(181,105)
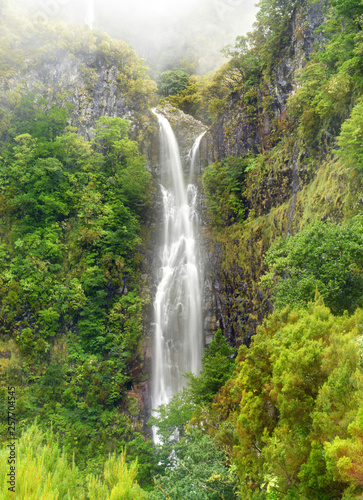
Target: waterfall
(178,303)
(90,17)
(194,159)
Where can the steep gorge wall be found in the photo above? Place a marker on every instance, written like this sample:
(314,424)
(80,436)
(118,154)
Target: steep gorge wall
(282,194)
(245,124)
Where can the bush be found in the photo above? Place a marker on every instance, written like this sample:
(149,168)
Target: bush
(44,471)
(224,185)
(172,82)
(326,257)
(350,139)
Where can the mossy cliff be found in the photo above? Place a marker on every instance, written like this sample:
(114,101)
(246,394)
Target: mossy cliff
(80,214)
(86,71)
(250,115)
(292,176)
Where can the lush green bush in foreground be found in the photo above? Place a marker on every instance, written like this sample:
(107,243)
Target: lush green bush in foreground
(291,417)
(43,472)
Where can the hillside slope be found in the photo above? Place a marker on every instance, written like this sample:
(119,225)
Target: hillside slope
(75,198)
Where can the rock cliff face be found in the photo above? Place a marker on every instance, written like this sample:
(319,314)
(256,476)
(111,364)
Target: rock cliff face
(186,130)
(244,124)
(236,304)
(93,80)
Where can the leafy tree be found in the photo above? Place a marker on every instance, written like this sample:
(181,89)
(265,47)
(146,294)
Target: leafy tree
(183,446)
(43,471)
(172,82)
(218,366)
(345,455)
(194,99)
(173,417)
(350,9)
(198,471)
(244,60)
(34,115)
(119,481)
(324,256)
(295,406)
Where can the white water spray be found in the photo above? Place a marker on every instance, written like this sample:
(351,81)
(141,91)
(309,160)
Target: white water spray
(90,17)
(178,302)
(194,156)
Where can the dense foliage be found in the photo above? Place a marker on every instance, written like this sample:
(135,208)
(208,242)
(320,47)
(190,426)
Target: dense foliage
(46,473)
(172,82)
(350,139)
(284,419)
(217,367)
(197,471)
(326,257)
(224,185)
(190,462)
(289,419)
(71,212)
(293,426)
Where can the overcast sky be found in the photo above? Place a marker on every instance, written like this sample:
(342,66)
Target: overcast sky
(159,29)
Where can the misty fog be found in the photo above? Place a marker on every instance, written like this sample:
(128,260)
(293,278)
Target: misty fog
(163,32)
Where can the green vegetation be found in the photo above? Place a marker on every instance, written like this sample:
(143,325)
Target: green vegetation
(190,463)
(71,218)
(198,472)
(284,420)
(46,473)
(332,81)
(288,419)
(224,185)
(194,98)
(285,216)
(350,139)
(218,366)
(172,82)
(71,213)
(294,407)
(323,256)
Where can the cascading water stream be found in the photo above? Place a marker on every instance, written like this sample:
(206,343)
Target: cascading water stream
(178,302)
(90,16)
(194,160)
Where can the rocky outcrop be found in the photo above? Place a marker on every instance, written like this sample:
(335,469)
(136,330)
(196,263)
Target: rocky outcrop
(91,84)
(186,130)
(246,122)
